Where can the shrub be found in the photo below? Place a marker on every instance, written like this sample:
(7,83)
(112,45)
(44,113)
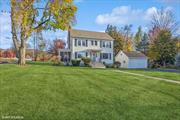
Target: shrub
(117,64)
(109,65)
(55,60)
(86,61)
(75,62)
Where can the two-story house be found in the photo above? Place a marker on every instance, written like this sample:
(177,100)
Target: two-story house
(98,46)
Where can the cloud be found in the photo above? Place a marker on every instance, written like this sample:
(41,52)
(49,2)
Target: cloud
(119,15)
(126,15)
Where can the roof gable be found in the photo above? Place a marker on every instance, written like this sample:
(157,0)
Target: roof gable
(90,34)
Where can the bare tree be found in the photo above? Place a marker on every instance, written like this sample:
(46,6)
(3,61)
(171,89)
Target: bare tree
(163,19)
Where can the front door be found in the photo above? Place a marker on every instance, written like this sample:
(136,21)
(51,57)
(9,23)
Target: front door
(94,56)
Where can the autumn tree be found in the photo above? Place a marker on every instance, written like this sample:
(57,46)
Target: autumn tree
(55,46)
(118,38)
(28,17)
(162,19)
(128,37)
(163,48)
(122,37)
(162,31)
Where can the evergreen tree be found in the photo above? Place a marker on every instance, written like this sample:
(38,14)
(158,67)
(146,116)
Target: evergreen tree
(143,45)
(138,38)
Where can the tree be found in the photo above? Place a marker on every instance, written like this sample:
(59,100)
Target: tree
(162,19)
(39,44)
(143,45)
(118,38)
(128,36)
(138,38)
(163,49)
(55,46)
(27,18)
(122,37)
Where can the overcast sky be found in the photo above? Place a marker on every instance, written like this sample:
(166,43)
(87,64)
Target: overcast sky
(96,14)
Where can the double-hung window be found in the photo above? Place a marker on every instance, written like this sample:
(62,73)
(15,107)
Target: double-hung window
(75,42)
(95,43)
(104,45)
(83,43)
(79,42)
(105,55)
(92,42)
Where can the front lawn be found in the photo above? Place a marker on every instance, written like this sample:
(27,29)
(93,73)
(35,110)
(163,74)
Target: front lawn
(167,75)
(39,92)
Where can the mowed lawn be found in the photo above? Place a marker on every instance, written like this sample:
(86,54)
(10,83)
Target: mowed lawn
(166,75)
(39,92)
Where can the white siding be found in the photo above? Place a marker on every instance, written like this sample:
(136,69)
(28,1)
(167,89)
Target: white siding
(123,59)
(85,48)
(127,62)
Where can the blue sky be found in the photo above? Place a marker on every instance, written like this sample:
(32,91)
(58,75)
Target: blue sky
(96,14)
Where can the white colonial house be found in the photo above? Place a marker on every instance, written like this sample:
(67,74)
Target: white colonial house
(132,59)
(98,46)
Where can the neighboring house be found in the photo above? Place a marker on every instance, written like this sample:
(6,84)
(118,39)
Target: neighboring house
(98,46)
(132,59)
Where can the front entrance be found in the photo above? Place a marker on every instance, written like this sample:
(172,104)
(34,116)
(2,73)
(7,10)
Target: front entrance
(95,56)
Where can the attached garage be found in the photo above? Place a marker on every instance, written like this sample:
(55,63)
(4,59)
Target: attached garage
(132,59)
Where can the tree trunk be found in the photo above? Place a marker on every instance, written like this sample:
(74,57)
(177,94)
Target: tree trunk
(22,53)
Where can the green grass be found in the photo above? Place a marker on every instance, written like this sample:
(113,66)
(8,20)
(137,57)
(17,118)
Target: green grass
(39,92)
(167,75)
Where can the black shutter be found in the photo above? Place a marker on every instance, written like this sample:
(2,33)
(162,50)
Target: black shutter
(100,44)
(86,43)
(110,44)
(75,42)
(100,55)
(75,55)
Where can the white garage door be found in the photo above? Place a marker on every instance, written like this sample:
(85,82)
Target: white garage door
(137,63)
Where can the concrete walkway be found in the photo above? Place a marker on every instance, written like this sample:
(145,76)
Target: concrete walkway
(146,76)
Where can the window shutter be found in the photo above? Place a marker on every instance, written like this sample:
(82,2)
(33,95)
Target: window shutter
(110,56)
(100,44)
(75,55)
(110,44)
(100,55)
(75,42)
(86,43)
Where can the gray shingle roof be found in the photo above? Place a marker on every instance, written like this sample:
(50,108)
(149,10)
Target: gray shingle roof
(90,34)
(135,54)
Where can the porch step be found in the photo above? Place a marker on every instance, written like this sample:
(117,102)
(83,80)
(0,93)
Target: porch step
(97,65)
